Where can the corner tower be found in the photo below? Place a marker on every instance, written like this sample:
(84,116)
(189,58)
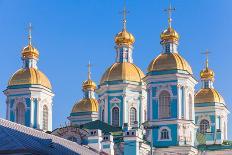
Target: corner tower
(122,93)
(210,109)
(29,93)
(170,88)
(85,110)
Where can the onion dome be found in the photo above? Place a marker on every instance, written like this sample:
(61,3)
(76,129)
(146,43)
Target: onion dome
(169,35)
(86,105)
(89,85)
(29,76)
(207,74)
(124,37)
(169,61)
(30,52)
(208,95)
(123,71)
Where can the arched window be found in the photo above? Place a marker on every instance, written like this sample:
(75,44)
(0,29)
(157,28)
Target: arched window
(133,115)
(45,117)
(20,113)
(204,125)
(190,107)
(103,115)
(115,116)
(164,105)
(164,134)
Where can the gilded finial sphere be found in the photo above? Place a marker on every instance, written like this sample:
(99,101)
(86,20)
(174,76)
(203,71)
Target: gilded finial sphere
(89,85)
(124,37)
(30,52)
(207,74)
(169,35)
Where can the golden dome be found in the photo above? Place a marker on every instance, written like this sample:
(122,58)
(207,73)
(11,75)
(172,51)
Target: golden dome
(30,52)
(29,76)
(86,105)
(123,71)
(207,95)
(169,35)
(169,61)
(207,74)
(124,37)
(89,84)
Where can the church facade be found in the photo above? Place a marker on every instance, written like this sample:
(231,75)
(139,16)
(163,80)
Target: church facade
(130,112)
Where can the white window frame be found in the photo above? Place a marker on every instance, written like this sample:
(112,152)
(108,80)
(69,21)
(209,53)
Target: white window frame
(112,115)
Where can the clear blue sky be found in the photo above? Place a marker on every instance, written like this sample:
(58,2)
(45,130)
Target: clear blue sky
(70,33)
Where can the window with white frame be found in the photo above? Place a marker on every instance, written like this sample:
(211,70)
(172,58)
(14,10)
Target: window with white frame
(45,117)
(20,113)
(103,115)
(204,126)
(133,115)
(164,134)
(164,105)
(115,116)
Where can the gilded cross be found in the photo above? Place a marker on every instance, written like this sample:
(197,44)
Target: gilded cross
(29,33)
(169,10)
(89,70)
(206,53)
(124,12)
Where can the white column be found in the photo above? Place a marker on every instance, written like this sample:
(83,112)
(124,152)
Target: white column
(179,101)
(124,109)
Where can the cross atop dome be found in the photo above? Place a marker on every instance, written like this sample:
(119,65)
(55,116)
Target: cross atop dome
(29,33)
(169,10)
(206,53)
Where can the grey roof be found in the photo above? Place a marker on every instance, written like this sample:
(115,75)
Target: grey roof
(16,139)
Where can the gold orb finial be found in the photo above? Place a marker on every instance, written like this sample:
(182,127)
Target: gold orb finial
(207,73)
(124,37)
(29,51)
(169,35)
(89,84)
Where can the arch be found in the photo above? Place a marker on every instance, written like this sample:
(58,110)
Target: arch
(164,104)
(133,115)
(204,126)
(164,134)
(190,107)
(115,116)
(45,117)
(103,115)
(20,113)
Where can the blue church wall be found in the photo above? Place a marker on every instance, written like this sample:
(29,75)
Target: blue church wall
(130,147)
(12,116)
(35,113)
(154,109)
(166,143)
(28,112)
(174,108)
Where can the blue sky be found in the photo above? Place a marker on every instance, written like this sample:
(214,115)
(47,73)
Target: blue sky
(70,33)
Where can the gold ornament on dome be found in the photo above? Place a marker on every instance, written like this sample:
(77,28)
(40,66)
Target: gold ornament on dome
(124,37)
(89,84)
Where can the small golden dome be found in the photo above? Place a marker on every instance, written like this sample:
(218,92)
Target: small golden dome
(124,37)
(89,84)
(123,71)
(169,61)
(169,35)
(207,74)
(208,95)
(86,105)
(30,52)
(29,76)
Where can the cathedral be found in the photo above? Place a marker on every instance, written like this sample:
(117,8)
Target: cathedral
(157,112)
